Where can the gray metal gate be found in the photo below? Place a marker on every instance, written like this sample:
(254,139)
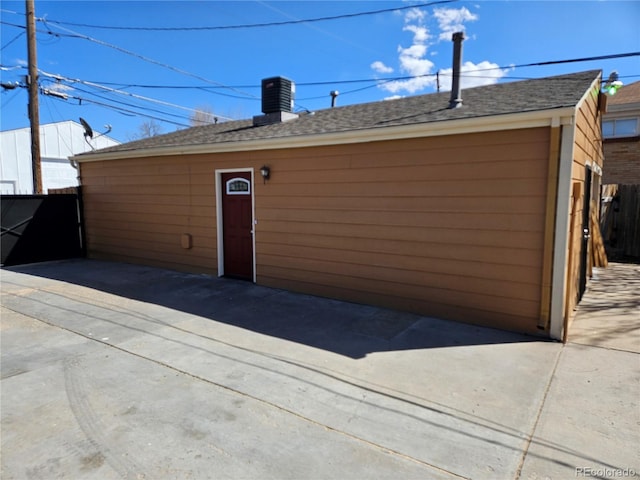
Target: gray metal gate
(38,228)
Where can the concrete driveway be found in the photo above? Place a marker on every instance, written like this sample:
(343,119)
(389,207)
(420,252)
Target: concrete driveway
(119,371)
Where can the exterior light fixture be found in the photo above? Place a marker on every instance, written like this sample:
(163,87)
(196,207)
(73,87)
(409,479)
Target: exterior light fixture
(612,85)
(265,171)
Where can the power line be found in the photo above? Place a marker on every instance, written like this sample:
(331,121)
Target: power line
(365,80)
(121,92)
(49,103)
(218,85)
(130,105)
(254,25)
(124,110)
(573,60)
(126,104)
(375,81)
(56,79)
(6,102)
(11,41)
(121,110)
(73,34)
(150,60)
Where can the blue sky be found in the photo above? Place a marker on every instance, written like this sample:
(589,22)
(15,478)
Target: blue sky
(221,69)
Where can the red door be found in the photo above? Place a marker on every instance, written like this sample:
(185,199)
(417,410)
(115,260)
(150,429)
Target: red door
(237,225)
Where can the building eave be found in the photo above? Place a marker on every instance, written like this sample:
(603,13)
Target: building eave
(540,118)
(621,109)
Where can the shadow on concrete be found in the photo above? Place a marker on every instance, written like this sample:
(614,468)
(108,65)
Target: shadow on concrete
(609,313)
(345,328)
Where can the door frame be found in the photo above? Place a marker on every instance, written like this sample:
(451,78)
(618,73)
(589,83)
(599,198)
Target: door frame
(219,219)
(585,230)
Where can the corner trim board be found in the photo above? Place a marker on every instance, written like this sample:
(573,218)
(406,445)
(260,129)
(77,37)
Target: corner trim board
(549,223)
(561,241)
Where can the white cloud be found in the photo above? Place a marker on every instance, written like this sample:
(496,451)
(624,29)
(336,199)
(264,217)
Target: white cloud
(59,87)
(451,20)
(380,67)
(413,61)
(410,85)
(420,34)
(22,62)
(473,75)
(413,52)
(414,15)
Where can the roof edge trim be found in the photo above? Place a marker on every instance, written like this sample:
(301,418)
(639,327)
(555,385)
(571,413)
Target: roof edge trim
(513,121)
(595,86)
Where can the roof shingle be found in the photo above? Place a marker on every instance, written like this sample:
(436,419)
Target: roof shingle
(627,94)
(499,99)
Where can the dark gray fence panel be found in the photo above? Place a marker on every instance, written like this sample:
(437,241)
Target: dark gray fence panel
(38,228)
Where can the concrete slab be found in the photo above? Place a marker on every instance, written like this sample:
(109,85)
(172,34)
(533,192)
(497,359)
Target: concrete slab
(609,313)
(397,394)
(98,412)
(589,424)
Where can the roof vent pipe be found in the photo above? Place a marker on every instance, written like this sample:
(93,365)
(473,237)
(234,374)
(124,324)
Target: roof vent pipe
(334,94)
(456,93)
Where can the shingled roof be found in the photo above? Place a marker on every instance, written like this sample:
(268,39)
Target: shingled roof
(627,94)
(499,99)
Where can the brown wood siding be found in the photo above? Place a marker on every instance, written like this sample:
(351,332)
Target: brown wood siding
(137,211)
(447,226)
(588,150)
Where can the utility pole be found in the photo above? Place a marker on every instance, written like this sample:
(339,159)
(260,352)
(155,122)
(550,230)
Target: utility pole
(34,109)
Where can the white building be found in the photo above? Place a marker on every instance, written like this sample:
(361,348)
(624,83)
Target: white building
(58,141)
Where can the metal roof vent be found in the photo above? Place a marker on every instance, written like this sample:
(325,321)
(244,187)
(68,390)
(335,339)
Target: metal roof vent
(278,94)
